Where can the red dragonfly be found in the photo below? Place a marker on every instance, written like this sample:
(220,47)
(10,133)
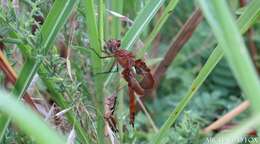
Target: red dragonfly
(131,69)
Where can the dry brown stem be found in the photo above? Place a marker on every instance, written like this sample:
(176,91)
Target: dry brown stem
(182,37)
(227,117)
(11,75)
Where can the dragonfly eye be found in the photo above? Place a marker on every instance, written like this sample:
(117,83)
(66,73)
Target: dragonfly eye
(118,44)
(138,70)
(111,49)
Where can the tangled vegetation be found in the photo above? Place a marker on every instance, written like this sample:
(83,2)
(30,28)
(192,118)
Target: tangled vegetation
(129,71)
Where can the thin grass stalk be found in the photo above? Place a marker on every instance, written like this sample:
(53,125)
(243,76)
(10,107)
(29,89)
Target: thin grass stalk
(168,10)
(100,120)
(101,21)
(95,43)
(147,114)
(244,22)
(117,6)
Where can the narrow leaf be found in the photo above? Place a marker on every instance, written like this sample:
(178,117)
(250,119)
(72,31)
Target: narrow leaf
(160,22)
(142,20)
(95,33)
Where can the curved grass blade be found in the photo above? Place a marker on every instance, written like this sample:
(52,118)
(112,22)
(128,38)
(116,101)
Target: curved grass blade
(244,22)
(54,22)
(141,21)
(28,121)
(227,33)
(165,15)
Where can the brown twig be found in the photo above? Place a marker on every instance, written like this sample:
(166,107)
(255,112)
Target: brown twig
(249,34)
(230,126)
(181,38)
(251,43)
(11,75)
(227,117)
(147,113)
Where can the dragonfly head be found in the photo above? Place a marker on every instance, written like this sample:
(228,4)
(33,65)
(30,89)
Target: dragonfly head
(112,45)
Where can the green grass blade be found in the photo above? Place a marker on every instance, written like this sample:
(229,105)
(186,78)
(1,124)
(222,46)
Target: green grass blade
(99,83)
(116,26)
(160,22)
(142,20)
(117,6)
(244,22)
(101,10)
(227,33)
(204,72)
(28,121)
(20,87)
(96,44)
(54,22)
